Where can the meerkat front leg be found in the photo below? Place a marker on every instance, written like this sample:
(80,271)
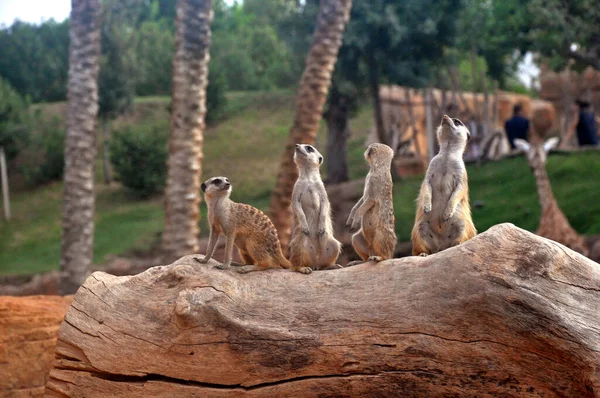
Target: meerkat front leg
(323,214)
(213,238)
(296,202)
(365,207)
(453,202)
(426,195)
(353,212)
(228,252)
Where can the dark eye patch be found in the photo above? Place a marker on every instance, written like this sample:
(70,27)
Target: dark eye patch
(217,181)
(457,122)
(309,149)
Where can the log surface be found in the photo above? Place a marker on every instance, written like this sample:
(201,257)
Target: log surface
(504,314)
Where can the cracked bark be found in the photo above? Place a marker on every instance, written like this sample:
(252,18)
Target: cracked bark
(506,314)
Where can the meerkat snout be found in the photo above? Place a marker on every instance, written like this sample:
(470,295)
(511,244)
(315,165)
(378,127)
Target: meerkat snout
(452,128)
(216,185)
(307,154)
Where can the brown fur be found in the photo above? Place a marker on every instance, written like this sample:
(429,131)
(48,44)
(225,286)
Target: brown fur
(312,245)
(243,226)
(376,239)
(443,217)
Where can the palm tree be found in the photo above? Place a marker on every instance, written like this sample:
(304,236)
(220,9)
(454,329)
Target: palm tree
(312,94)
(80,144)
(190,77)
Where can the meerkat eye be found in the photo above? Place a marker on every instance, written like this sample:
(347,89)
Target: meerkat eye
(217,181)
(457,122)
(309,149)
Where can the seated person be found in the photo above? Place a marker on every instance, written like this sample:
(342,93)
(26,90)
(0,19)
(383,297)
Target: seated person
(586,125)
(517,126)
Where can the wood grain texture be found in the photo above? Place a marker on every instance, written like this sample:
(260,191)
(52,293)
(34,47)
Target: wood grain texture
(505,314)
(28,331)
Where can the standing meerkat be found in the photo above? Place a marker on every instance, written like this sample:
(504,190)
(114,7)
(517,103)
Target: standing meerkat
(374,212)
(443,216)
(312,245)
(245,226)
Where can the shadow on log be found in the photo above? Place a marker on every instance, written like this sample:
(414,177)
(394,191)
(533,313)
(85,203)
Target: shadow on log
(505,314)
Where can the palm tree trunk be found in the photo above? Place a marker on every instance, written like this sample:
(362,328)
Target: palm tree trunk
(312,94)
(190,78)
(77,246)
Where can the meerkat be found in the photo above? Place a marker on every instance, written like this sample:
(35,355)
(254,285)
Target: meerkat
(374,212)
(443,216)
(312,245)
(243,226)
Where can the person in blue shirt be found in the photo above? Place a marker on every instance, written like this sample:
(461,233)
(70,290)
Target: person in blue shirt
(586,125)
(517,126)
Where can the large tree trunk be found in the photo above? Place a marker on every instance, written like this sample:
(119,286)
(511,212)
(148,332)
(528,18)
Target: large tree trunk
(190,78)
(373,71)
(338,132)
(311,97)
(507,313)
(77,246)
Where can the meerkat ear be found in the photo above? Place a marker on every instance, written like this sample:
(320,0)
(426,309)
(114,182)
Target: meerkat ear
(550,143)
(203,187)
(468,135)
(522,144)
(320,159)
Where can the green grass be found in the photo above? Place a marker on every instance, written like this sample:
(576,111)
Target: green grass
(246,146)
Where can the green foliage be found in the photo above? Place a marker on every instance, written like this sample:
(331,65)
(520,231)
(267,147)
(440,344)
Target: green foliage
(251,54)
(43,159)
(215,94)
(35,59)
(154,53)
(564,30)
(13,120)
(139,156)
(116,82)
(497,31)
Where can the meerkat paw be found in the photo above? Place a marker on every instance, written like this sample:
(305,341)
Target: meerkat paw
(222,266)
(375,258)
(427,208)
(351,263)
(321,232)
(448,214)
(423,255)
(304,270)
(244,269)
(305,231)
(202,260)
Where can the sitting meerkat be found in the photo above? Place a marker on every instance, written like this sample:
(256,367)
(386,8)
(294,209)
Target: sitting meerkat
(374,212)
(443,216)
(312,245)
(245,226)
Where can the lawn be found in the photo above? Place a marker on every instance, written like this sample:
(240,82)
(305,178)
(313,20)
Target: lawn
(246,145)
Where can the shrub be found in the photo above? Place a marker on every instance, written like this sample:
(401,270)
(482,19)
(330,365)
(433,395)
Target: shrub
(140,159)
(42,160)
(215,94)
(13,120)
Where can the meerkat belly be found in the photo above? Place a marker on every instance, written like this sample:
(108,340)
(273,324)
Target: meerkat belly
(442,187)
(311,206)
(371,221)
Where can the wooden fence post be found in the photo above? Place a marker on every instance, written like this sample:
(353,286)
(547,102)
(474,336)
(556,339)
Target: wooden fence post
(4,177)
(429,123)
